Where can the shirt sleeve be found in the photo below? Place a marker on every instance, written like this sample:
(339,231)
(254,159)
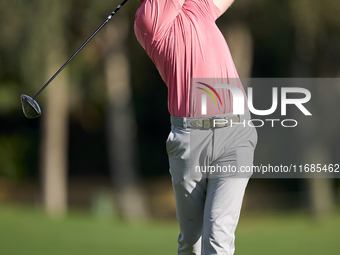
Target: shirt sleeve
(212,9)
(154,16)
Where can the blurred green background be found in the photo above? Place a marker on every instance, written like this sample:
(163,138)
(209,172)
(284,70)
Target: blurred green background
(91,174)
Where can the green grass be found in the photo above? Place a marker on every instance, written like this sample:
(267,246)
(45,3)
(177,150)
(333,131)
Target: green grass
(24,231)
(293,234)
(28,232)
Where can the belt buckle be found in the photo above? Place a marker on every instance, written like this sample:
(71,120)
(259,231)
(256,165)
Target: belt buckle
(206,123)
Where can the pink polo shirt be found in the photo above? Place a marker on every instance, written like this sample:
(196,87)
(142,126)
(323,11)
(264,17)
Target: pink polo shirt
(185,43)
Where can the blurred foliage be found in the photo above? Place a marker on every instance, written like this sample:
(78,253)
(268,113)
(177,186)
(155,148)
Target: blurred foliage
(8,98)
(15,155)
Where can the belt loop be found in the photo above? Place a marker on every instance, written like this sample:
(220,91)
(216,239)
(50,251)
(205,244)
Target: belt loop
(185,124)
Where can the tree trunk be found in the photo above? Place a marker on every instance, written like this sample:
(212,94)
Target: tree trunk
(308,27)
(240,42)
(320,190)
(121,125)
(54,137)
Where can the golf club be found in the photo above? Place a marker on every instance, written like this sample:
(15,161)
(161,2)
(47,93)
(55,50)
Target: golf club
(30,107)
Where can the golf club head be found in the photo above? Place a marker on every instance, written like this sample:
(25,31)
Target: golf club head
(30,107)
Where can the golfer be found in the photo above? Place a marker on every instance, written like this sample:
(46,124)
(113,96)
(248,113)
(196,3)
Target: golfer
(191,55)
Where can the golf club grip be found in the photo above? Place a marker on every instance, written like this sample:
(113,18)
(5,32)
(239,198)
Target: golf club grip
(81,47)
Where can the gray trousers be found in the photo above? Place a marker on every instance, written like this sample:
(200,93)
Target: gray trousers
(208,205)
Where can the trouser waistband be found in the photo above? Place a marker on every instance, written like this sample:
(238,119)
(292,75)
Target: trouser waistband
(209,122)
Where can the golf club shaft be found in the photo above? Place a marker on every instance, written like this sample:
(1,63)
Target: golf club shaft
(81,47)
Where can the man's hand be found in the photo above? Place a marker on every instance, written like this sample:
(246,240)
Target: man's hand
(223,5)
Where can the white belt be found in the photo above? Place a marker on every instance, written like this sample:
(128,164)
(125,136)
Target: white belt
(205,123)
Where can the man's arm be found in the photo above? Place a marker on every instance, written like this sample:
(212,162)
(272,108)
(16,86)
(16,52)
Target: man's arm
(223,5)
